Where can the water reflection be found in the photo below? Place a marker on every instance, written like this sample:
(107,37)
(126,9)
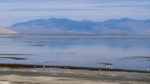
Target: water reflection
(78,50)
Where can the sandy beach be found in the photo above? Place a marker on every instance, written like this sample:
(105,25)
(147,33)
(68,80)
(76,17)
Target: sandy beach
(55,77)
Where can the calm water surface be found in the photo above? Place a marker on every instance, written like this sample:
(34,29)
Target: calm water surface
(122,51)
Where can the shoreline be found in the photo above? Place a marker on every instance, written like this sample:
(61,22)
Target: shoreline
(27,66)
(67,77)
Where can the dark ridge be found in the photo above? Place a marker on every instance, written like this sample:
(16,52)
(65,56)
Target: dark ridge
(105,63)
(147,58)
(70,67)
(135,57)
(14,58)
(15,54)
(37,45)
(142,57)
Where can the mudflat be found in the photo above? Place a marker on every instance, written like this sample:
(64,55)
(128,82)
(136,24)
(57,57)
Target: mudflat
(55,77)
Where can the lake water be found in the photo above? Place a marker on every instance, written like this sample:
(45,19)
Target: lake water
(122,51)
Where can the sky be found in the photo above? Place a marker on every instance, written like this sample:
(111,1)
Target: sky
(14,11)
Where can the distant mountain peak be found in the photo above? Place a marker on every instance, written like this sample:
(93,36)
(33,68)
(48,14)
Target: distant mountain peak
(58,19)
(67,26)
(126,19)
(118,20)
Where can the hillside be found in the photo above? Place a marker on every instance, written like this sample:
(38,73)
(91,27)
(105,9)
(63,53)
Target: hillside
(7,31)
(66,26)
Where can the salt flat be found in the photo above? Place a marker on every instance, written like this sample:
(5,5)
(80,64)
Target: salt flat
(54,77)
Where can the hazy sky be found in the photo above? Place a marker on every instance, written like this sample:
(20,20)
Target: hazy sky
(13,11)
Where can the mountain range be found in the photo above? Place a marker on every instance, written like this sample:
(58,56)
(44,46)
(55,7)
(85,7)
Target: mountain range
(67,26)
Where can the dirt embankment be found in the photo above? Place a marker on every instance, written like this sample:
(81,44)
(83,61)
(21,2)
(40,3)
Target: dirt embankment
(7,31)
